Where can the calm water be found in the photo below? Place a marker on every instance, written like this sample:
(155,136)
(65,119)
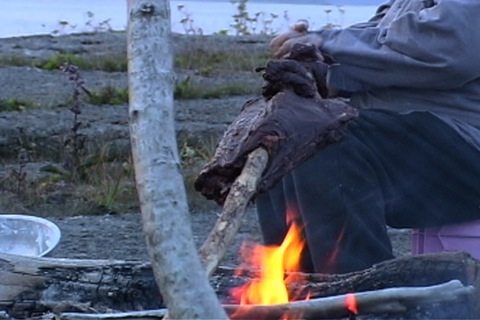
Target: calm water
(27,17)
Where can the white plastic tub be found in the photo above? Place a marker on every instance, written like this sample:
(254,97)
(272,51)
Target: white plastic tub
(27,235)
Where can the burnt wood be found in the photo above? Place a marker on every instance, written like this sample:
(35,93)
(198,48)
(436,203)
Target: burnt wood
(34,286)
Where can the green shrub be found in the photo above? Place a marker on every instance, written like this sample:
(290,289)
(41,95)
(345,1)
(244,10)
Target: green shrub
(14,105)
(59,59)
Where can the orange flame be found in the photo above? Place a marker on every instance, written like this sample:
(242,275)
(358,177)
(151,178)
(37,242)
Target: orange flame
(274,261)
(351,303)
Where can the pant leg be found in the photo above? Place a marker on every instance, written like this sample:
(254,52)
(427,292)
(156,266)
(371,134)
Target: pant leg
(404,170)
(428,174)
(341,202)
(271,207)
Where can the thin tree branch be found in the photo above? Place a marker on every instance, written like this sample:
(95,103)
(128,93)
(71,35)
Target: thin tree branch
(220,238)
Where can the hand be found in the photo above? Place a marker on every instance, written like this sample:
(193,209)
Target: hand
(282,44)
(302,70)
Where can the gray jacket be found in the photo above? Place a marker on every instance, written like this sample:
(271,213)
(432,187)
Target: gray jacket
(413,55)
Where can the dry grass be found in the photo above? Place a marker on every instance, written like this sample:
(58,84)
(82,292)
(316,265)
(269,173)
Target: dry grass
(106,185)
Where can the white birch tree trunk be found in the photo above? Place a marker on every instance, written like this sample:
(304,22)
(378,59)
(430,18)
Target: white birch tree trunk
(176,266)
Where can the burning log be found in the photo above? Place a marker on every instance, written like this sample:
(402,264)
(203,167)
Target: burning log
(35,286)
(411,272)
(386,301)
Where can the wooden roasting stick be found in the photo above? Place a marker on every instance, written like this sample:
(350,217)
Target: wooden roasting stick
(243,188)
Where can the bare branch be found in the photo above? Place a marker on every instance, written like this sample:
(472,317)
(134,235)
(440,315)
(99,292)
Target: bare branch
(215,246)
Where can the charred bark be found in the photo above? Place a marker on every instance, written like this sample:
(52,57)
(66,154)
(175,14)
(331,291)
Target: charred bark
(32,286)
(422,270)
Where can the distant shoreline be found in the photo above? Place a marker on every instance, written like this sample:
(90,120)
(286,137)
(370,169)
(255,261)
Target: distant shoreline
(319,2)
(28,17)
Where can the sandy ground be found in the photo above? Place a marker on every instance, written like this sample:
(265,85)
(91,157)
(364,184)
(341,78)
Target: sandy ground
(120,236)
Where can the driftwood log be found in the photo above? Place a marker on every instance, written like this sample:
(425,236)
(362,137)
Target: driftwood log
(35,286)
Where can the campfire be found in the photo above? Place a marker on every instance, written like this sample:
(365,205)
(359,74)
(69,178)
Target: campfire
(382,292)
(275,289)
(276,266)
(413,287)
(273,268)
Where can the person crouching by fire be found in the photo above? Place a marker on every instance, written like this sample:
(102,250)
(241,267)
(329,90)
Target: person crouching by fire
(408,157)
(411,158)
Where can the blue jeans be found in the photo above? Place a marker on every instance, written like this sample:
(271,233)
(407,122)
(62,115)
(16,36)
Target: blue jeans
(405,171)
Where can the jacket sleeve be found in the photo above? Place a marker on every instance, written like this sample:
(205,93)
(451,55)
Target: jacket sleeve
(435,48)
(379,14)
